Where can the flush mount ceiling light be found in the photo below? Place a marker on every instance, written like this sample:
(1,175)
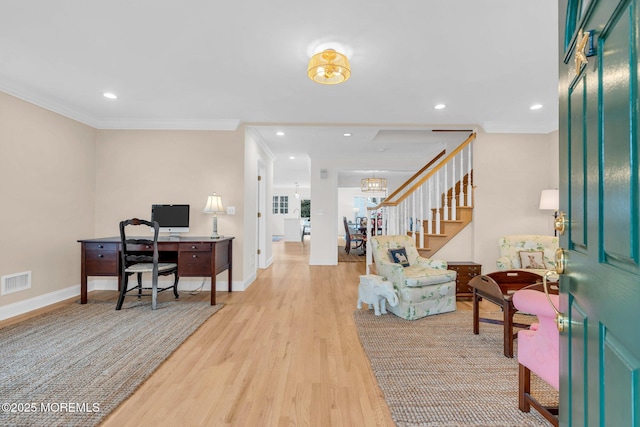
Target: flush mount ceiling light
(109,95)
(280,133)
(439,106)
(329,67)
(535,107)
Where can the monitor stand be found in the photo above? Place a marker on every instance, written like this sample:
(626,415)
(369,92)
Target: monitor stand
(174,236)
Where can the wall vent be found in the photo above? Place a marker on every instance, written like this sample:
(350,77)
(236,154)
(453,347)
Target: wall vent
(15,283)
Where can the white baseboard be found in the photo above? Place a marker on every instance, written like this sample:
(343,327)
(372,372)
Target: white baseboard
(25,306)
(186,284)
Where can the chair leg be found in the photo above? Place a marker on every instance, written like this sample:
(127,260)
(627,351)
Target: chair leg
(175,285)
(526,401)
(139,285)
(524,387)
(154,291)
(123,291)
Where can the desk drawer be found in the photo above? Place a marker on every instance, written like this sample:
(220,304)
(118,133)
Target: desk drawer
(101,246)
(101,262)
(194,263)
(197,247)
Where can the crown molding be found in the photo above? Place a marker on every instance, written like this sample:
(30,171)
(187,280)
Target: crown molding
(161,124)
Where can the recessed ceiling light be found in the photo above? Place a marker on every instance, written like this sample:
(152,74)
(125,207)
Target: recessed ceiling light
(536,106)
(292,157)
(346,134)
(280,133)
(439,106)
(109,95)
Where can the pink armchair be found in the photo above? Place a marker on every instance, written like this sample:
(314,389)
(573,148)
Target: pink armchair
(537,350)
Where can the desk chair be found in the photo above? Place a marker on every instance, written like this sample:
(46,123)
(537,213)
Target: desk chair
(136,258)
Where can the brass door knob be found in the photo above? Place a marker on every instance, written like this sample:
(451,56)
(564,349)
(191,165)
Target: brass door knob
(560,223)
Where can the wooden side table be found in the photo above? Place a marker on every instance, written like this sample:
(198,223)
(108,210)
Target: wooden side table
(498,288)
(466,270)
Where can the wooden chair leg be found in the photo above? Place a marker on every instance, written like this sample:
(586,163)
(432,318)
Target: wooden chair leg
(123,291)
(175,285)
(526,401)
(524,388)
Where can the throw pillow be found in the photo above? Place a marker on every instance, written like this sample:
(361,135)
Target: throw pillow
(399,256)
(532,259)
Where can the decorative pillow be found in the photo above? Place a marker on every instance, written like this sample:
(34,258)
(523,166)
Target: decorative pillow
(399,256)
(532,260)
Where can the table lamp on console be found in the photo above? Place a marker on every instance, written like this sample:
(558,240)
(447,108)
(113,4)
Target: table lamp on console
(214,206)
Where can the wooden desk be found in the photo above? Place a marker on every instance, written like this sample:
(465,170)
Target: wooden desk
(195,256)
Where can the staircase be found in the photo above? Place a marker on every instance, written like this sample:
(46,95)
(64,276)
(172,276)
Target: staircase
(435,204)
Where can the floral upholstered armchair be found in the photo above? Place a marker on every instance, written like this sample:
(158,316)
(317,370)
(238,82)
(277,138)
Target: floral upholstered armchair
(424,286)
(529,252)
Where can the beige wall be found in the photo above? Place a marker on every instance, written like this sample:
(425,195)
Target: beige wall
(510,171)
(138,168)
(47,191)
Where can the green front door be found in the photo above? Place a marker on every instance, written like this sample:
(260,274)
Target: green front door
(599,181)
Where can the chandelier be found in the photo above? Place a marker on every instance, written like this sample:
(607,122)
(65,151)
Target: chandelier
(373,184)
(329,67)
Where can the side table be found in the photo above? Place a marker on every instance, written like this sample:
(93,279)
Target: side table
(498,288)
(466,270)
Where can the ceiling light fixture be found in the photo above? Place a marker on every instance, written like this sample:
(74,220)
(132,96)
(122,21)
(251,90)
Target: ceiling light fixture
(346,134)
(109,95)
(373,184)
(292,157)
(280,133)
(535,107)
(329,67)
(439,106)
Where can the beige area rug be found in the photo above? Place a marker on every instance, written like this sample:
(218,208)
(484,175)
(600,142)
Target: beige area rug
(356,255)
(435,372)
(74,365)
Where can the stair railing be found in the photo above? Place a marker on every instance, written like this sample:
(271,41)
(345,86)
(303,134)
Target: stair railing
(431,195)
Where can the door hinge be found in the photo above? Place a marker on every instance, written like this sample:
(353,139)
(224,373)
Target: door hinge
(259,215)
(259,252)
(259,178)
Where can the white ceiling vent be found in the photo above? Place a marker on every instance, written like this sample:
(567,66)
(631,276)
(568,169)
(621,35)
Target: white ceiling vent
(15,282)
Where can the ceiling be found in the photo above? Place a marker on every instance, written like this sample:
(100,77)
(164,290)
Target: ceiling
(213,65)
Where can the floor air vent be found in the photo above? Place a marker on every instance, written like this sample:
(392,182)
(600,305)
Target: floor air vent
(15,283)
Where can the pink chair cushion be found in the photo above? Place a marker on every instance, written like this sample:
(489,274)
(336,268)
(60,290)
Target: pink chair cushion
(538,348)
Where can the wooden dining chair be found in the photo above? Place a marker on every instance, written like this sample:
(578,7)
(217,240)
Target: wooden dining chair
(139,256)
(352,237)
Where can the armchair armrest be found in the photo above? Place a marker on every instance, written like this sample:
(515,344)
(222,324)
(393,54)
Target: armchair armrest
(504,263)
(389,270)
(432,263)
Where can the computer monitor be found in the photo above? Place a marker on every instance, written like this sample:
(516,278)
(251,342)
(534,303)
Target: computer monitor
(172,219)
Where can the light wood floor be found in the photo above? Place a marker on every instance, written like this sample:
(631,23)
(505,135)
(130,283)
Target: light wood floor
(283,353)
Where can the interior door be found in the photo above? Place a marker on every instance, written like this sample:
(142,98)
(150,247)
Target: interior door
(600,289)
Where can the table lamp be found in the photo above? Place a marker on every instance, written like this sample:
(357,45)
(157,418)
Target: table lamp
(214,206)
(550,200)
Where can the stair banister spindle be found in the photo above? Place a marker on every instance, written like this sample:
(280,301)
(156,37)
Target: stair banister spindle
(453,190)
(445,207)
(438,203)
(430,209)
(421,198)
(469,167)
(461,189)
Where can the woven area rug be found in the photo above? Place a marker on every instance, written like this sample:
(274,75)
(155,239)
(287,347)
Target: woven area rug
(354,256)
(74,365)
(435,372)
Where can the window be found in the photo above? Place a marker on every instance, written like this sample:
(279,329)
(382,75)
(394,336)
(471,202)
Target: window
(280,205)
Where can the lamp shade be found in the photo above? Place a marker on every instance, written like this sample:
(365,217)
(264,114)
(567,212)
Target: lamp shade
(373,184)
(214,204)
(329,67)
(550,200)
